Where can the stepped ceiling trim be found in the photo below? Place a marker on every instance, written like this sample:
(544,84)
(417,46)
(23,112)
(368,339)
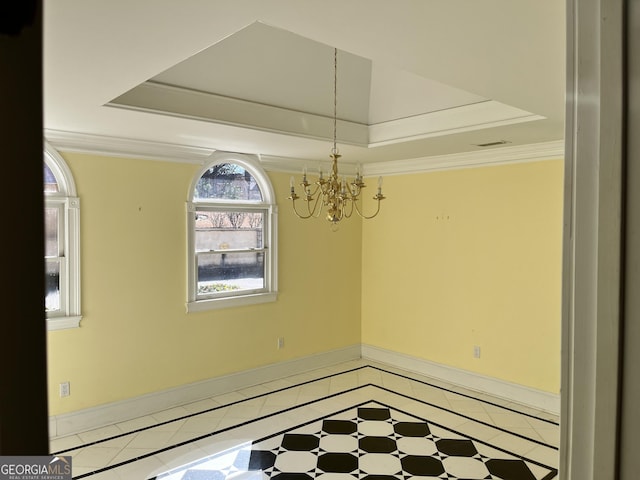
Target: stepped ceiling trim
(131,148)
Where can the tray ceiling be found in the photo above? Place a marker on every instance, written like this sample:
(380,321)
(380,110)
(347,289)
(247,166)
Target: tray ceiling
(418,80)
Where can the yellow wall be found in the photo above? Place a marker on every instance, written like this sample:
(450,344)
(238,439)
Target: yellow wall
(136,337)
(456,258)
(469,257)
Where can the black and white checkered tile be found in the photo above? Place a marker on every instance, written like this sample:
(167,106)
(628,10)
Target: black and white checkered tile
(368,442)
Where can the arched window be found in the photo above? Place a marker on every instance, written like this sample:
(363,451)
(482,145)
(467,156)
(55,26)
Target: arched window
(232,234)
(62,243)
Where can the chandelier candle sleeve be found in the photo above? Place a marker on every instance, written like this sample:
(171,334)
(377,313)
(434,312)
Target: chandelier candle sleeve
(339,197)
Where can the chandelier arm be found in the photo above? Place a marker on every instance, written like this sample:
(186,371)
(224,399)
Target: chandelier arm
(370,216)
(317,206)
(303,217)
(295,210)
(352,203)
(341,210)
(317,188)
(311,212)
(311,201)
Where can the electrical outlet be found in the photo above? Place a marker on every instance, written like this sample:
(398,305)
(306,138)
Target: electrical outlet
(280,342)
(65,389)
(476,351)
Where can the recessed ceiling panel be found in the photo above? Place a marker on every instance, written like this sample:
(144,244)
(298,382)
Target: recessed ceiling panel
(397,94)
(271,66)
(268,78)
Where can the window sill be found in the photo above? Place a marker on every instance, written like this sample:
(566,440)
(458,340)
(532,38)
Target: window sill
(63,323)
(228,302)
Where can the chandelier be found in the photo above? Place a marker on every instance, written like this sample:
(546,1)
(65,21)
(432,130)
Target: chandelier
(339,196)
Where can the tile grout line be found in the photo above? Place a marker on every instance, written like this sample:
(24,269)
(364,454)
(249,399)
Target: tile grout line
(217,432)
(522,457)
(468,396)
(337,374)
(302,384)
(191,415)
(334,395)
(504,430)
(552,470)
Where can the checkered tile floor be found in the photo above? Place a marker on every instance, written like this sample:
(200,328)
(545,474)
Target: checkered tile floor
(354,421)
(372,442)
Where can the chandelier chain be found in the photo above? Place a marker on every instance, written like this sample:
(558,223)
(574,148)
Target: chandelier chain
(335,99)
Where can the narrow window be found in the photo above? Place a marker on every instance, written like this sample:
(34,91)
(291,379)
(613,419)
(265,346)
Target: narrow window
(61,243)
(231,235)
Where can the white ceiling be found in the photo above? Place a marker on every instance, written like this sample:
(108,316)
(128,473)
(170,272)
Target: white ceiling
(416,78)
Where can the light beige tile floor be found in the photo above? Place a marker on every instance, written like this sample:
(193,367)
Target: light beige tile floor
(147,446)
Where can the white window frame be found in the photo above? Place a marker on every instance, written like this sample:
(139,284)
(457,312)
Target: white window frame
(68,205)
(247,297)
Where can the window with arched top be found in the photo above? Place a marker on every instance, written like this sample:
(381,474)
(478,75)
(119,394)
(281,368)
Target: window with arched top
(61,243)
(232,234)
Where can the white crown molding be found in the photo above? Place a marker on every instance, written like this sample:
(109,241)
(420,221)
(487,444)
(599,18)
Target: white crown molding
(129,148)
(495,156)
(126,147)
(533,152)
(148,150)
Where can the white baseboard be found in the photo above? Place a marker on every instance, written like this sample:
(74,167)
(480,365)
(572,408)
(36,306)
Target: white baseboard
(115,412)
(90,418)
(513,392)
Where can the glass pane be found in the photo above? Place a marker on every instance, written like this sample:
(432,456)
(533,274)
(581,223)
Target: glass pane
(51,232)
(228,230)
(52,286)
(50,182)
(227,181)
(226,272)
